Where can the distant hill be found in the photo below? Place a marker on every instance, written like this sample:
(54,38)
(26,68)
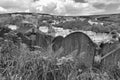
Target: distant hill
(97,23)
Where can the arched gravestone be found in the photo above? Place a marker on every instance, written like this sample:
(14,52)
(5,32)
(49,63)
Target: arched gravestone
(110,62)
(57,41)
(39,40)
(81,42)
(24,39)
(42,40)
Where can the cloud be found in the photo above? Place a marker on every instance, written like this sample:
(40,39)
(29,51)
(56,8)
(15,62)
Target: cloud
(43,6)
(109,6)
(99,5)
(15,5)
(2,10)
(80,9)
(118,8)
(103,1)
(64,7)
(81,1)
(61,7)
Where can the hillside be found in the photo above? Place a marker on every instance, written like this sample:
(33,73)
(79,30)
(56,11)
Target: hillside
(24,57)
(96,23)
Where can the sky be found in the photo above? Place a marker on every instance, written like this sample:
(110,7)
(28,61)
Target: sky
(61,7)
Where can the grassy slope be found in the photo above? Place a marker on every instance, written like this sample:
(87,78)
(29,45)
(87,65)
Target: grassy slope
(22,64)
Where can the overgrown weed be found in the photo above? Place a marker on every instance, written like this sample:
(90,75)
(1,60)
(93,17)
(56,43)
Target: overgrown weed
(23,64)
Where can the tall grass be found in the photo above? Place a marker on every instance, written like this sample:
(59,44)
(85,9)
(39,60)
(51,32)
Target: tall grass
(19,63)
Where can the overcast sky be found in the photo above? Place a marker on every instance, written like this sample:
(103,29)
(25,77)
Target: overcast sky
(61,7)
